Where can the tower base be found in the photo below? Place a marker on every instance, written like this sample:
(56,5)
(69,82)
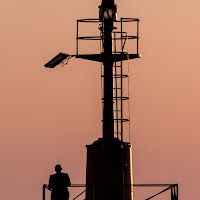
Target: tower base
(109,170)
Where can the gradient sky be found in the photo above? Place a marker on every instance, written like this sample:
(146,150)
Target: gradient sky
(47,116)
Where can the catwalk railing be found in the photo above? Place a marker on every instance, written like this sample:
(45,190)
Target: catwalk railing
(173,188)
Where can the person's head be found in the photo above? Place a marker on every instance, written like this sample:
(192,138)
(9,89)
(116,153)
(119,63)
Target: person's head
(58,168)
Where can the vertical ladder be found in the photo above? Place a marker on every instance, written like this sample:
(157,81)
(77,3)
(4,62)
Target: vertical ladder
(118,81)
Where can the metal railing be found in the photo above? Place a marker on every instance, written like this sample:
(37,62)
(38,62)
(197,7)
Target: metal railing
(121,28)
(167,187)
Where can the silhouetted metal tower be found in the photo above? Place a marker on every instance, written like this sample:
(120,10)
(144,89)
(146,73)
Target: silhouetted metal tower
(109,159)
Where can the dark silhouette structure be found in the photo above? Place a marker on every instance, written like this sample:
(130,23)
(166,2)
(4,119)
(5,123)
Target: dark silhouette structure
(58,184)
(109,159)
(109,173)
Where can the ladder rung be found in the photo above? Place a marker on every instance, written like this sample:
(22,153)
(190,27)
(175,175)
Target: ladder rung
(122,98)
(123,120)
(119,120)
(115,76)
(114,110)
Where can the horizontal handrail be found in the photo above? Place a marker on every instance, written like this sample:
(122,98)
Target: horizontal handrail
(135,185)
(97,20)
(173,187)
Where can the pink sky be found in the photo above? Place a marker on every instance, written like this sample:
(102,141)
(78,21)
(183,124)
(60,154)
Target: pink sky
(47,116)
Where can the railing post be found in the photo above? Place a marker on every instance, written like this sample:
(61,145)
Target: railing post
(77,37)
(43,191)
(177,190)
(137,36)
(171,192)
(174,192)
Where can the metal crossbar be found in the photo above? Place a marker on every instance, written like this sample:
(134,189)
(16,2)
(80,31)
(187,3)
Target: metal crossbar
(79,195)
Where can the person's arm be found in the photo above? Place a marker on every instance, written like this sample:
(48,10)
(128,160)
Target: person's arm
(68,180)
(50,183)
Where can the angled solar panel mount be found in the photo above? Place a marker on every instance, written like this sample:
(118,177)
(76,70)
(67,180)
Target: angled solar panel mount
(57,60)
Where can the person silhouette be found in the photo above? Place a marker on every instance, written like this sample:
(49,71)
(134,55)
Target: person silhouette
(58,184)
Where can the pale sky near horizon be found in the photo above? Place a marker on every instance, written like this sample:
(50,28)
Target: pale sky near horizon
(47,116)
